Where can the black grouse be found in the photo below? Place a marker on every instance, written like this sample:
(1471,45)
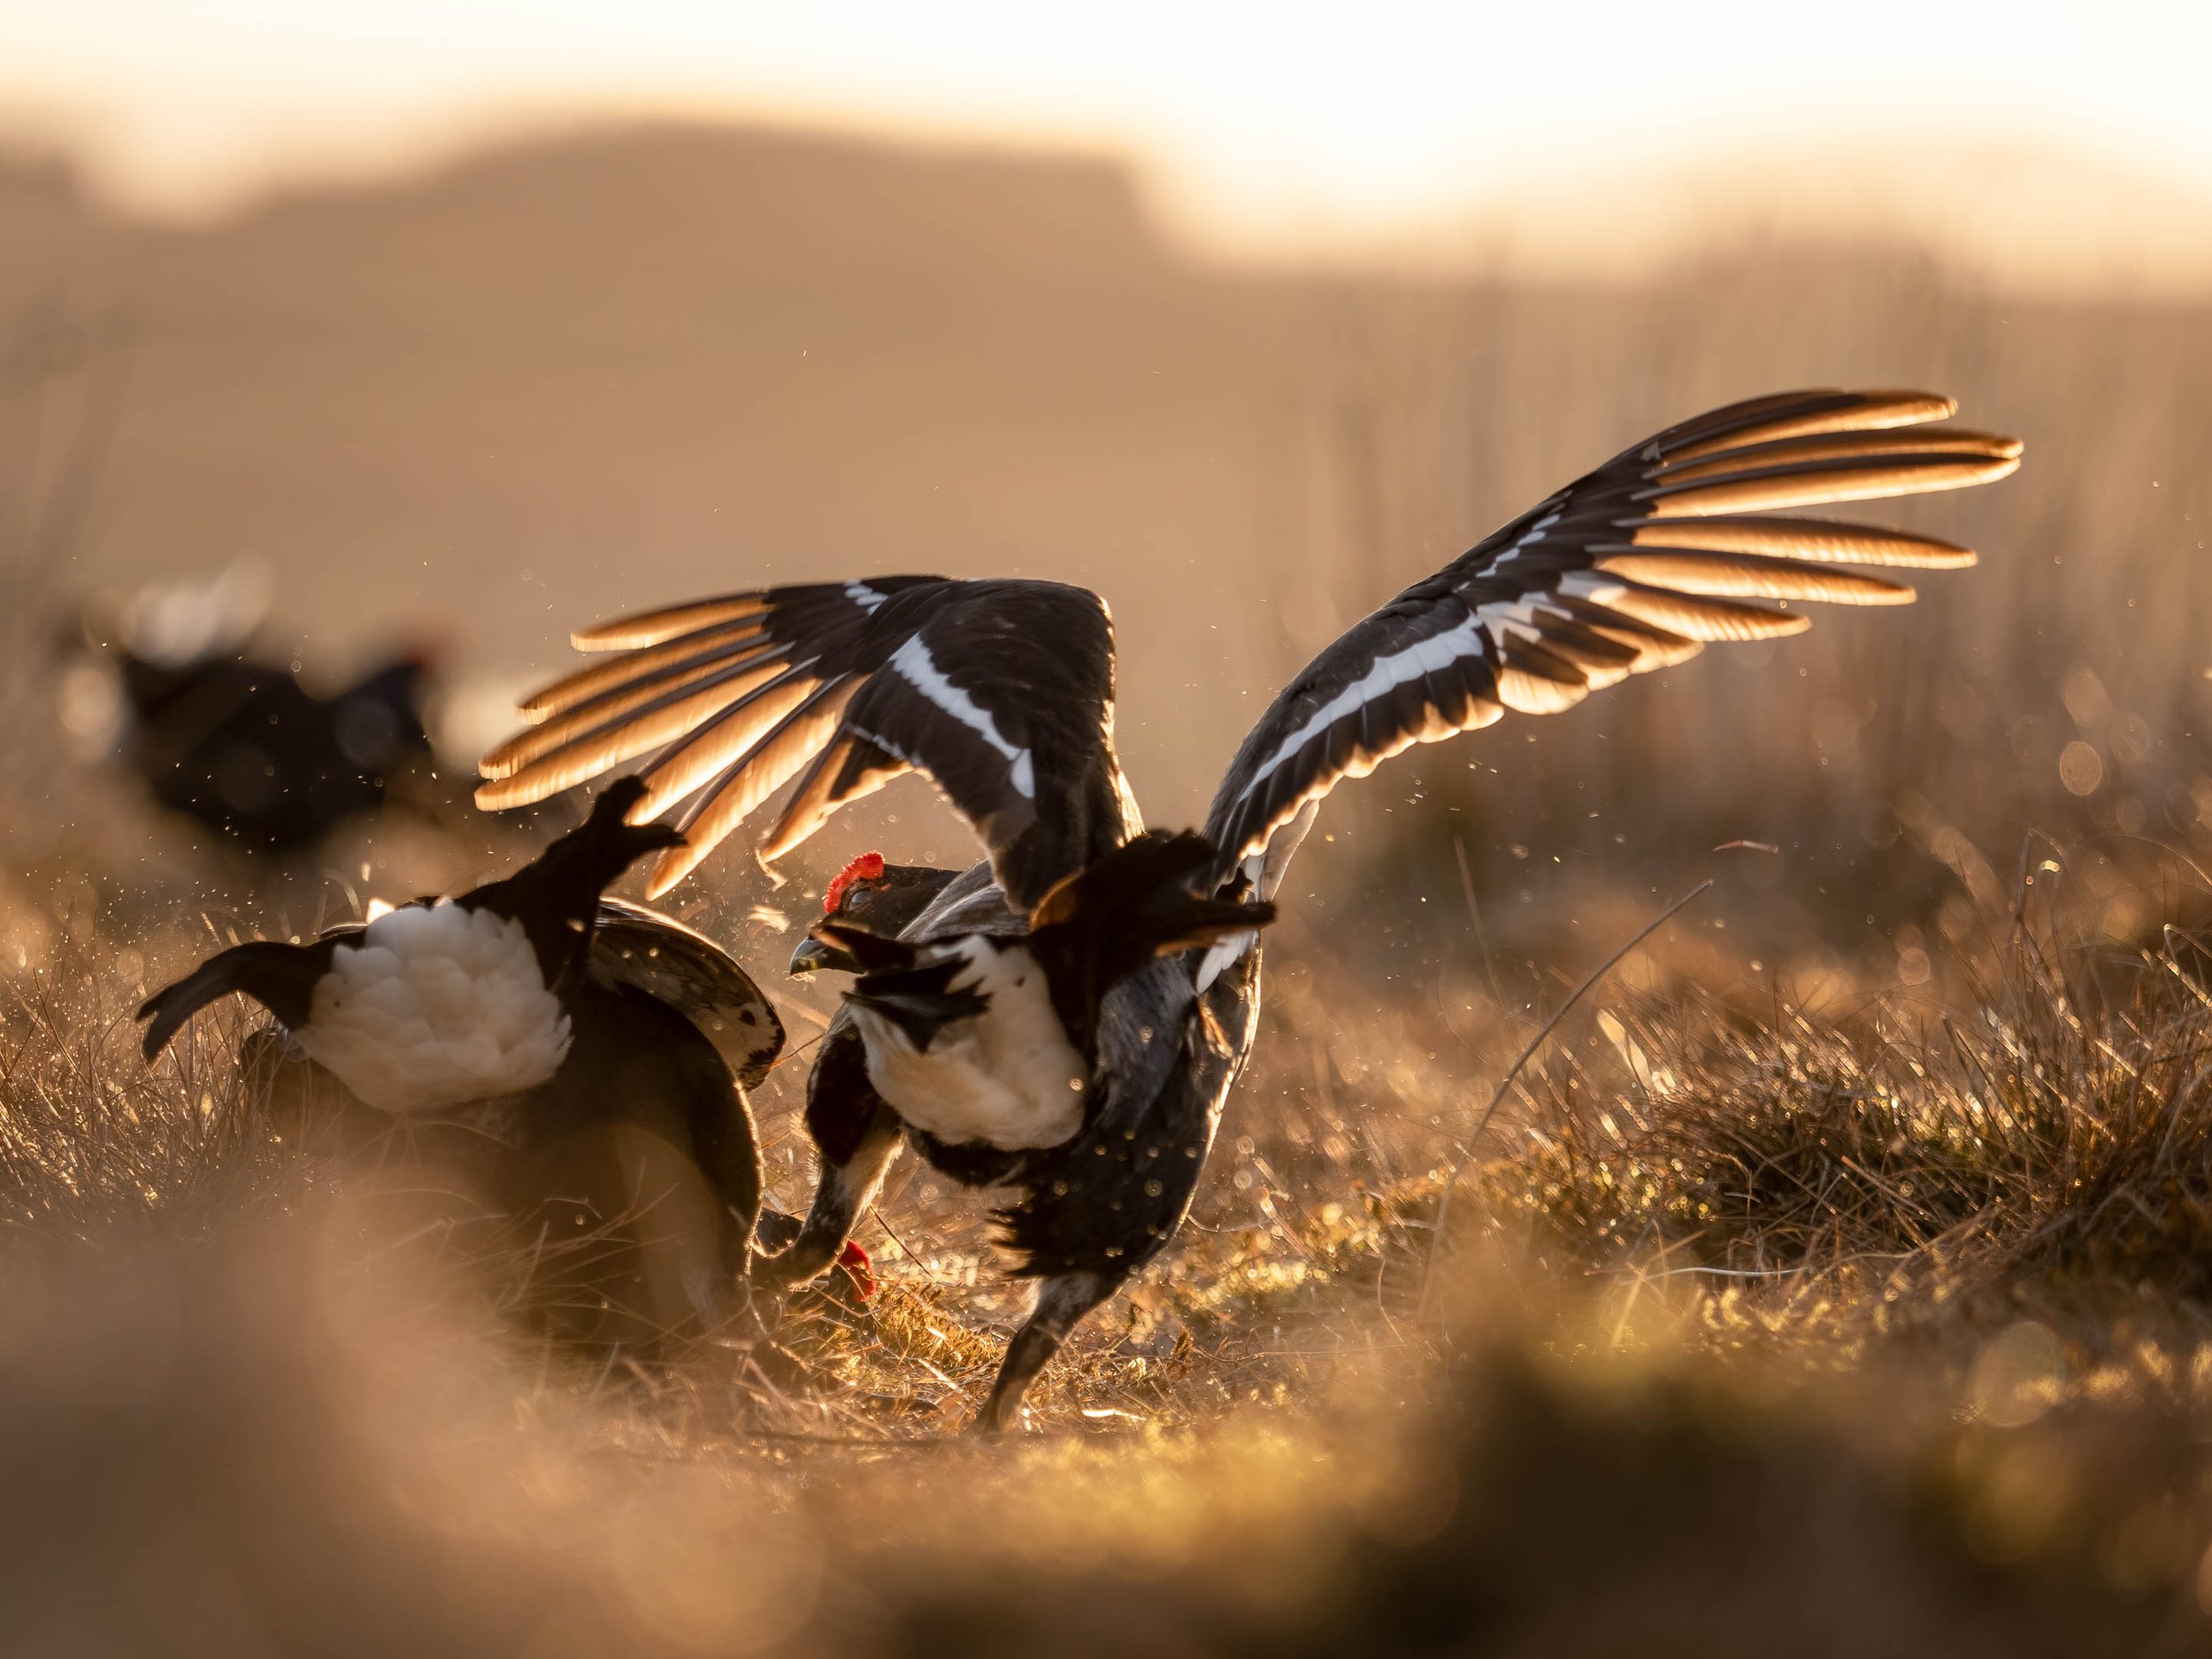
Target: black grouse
(1001,692)
(243,748)
(594,1055)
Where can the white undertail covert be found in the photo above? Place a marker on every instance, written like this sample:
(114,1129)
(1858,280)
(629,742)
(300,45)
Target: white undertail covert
(436,1006)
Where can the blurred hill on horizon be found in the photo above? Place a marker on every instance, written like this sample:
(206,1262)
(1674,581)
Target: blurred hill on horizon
(555,380)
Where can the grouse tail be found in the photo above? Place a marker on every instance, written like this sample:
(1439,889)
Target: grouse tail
(279,976)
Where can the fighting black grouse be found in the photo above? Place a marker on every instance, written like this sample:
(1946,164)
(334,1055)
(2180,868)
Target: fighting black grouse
(595,1054)
(1002,693)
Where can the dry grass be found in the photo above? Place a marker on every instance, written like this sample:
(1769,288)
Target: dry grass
(2059,1128)
(1881,1326)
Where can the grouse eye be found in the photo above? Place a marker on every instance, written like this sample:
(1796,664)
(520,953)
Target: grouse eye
(857,897)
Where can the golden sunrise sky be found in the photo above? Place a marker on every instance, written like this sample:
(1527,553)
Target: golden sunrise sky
(1264,126)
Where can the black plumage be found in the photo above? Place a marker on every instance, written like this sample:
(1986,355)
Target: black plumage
(243,748)
(636,1156)
(740,694)
(1632,567)
(1002,692)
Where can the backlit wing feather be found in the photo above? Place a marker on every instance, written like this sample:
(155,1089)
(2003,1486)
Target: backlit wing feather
(1001,692)
(1671,544)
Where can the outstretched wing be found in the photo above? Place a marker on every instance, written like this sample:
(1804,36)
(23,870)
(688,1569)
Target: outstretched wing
(1001,692)
(1634,566)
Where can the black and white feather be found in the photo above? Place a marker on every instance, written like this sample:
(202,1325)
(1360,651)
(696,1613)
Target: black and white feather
(441,1003)
(631,946)
(989,1037)
(1001,692)
(1671,545)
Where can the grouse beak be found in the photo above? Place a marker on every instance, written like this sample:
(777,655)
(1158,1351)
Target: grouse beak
(814,956)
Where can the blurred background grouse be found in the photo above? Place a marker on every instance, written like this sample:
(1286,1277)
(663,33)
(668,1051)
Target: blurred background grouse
(1002,693)
(241,745)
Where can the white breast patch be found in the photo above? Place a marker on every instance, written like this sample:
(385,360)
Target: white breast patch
(434,1006)
(1008,1078)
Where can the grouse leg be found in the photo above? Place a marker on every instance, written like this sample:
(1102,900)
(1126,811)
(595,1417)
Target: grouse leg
(845,1190)
(1062,1302)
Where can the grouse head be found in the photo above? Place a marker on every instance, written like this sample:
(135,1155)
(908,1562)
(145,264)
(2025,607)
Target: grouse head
(869,893)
